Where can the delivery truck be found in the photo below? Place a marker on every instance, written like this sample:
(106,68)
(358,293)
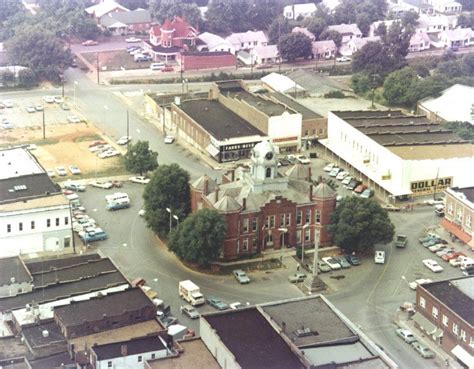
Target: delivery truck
(191,293)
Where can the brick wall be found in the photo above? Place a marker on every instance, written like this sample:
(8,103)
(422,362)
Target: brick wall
(317,126)
(211,61)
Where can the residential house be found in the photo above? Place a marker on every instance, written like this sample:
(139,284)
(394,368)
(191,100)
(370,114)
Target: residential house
(356,44)
(168,40)
(417,6)
(434,24)
(347,31)
(445,314)
(297,11)
(247,40)
(304,31)
(35,216)
(325,49)
(331,4)
(119,23)
(105,7)
(420,41)
(267,54)
(459,37)
(446,6)
(210,42)
(373,29)
(459,214)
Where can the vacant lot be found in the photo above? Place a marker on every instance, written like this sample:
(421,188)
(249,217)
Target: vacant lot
(114,60)
(65,145)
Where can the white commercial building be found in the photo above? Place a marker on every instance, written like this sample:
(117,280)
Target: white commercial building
(399,156)
(34,214)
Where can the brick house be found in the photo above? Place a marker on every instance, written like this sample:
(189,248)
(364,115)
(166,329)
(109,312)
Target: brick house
(105,7)
(459,213)
(168,40)
(445,312)
(127,22)
(266,209)
(197,60)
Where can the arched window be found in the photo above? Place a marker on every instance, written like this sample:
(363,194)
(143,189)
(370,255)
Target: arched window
(268,173)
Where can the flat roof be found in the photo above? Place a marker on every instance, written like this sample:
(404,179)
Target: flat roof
(466,191)
(18,162)
(216,119)
(76,272)
(295,105)
(13,267)
(457,294)
(57,361)
(33,334)
(252,340)
(27,187)
(43,265)
(62,290)
(54,200)
(81,312)
(423,152)
(134,347)
(367,113)
(321,325)
(195,355)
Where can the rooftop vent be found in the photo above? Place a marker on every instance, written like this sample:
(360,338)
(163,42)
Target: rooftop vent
(303,332)
(45,333)
(20,188)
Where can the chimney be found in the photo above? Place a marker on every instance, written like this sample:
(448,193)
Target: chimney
(206,187)
(232,174)
(310,192)
(124,350)
(283,327)
(217,195)
(309,174)
(244,203)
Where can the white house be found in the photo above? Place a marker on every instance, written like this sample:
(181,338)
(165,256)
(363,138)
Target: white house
(348,31)
(459,37)
(356,44)
(325,49)
(417,6)
(130,354)
(105,7)
(247,40)
(419,41)
(34,214)
(304,31)
(434,24)
(296,11)
(446,6)
(375,26)
(265,54)
(212,42)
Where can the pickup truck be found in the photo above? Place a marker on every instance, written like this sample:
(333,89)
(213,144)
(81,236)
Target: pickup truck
(401,240)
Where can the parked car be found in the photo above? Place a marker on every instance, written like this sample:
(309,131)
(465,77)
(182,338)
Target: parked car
(48,99)
(97,234)
(343,262)
(168,139)
(405,335)
(217,303)
(346,180)
(353,184)
(343,59)
(424,351)
(379,257)
(61,171)
(167,320)
(139,179)
(333,264)
(334,172)
(132,40)
(241,276)
(437,247)
(432,265)
(108,153)
(6,124)
(30,109)
(124,140)
(97,143)
(390,207)
(444,251)
(167,68)
(50,173)
(360,188)
(75,187)
(7,104)
(341,175)
(157,66)
(39,107)
(323,267)
(297,277)
(302,159)
(417,282)
(117,184)
(74,170)
(58,99)
(189,311)
(435,201)
(284,162)
(367,193)
(105,185)
(452,255)
(235,305)
(353,260)
(129,49)
(73,119)
(329,167)
(90,43)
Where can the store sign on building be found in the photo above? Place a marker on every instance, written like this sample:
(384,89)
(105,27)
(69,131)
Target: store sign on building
(430,186)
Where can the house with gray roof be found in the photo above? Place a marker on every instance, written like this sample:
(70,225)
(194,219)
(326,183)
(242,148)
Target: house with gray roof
(118,23)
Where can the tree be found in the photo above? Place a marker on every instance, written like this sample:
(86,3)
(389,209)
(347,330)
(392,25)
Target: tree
(466,20)
(228,16)
(467,5)
(398,86)
(430,86)
(468,64)
(396,41)
(39,50)
(295,45)
(372,58)
(316,26)
(332,35)
(140,159)
(358,224)
(199,239)
(362,12)
(410,19)
(27,78)
(168,9)
(465,130)
(9,9)
(279,27)
(450,69)
(168,188)
(134,4)
(360,83)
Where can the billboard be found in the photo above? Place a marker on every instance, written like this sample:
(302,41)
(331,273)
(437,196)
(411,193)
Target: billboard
(430,186)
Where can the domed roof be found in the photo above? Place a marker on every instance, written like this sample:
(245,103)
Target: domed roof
(297,171)
(323,191)
(227,204)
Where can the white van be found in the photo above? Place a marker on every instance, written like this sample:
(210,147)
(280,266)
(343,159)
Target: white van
(467,263)
(379,257)
(117,197)
(157,66)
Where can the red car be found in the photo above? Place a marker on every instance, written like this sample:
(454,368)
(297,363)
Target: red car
(452,255)
(97,143)
(168,68)
(90,43)
(360,188)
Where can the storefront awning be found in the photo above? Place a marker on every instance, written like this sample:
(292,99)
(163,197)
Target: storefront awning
(456,230)
(424,323)
(464,356)
(211,149)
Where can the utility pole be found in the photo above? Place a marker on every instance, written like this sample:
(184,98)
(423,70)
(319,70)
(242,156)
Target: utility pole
(44,127)
(62,81)
(279,46)
(128,130)
(97,67)
(181,77)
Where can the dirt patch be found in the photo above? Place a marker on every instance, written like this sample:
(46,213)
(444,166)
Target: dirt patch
(65,145)
(114,60)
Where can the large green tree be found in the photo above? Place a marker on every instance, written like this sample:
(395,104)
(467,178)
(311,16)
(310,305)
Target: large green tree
(168,9)
(332,35)
(39,50)
(9,8)
(372,58)
(295,45)
(358,224)
(140,158)
(278,28)
(398,86)
(362,12)
(315,25)
(199,239)
(168,188)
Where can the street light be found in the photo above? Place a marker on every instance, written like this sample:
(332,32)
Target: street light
(304,239)
(169,211)
(177,219)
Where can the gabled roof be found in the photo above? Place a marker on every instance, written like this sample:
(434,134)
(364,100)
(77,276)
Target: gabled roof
(345,29)
(104,7)
(268,51)
(131,17)
(281,83)
(323,46)
(458,33)
(227,204)
(419,37)
(179,26)
(212,40)
(245,37)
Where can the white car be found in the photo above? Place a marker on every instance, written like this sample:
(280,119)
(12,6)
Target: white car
(104,185)
(73,119)
(302,159)
(39,107)
(139,179)
(437,247)
(379,257)
(235,305)
(417,282)
(346,180)
(74,170)
(341,175)
(108,154)
(100,148)
(334,172)
(50,173)
(329,167)
(343,59)
(132,39)
(8,104)
(30,109)
(48,99)
(331,262)
(435,201)
(124,140)
(168,139)
(432,265)
(61,171)
(58,99)
(6,124)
